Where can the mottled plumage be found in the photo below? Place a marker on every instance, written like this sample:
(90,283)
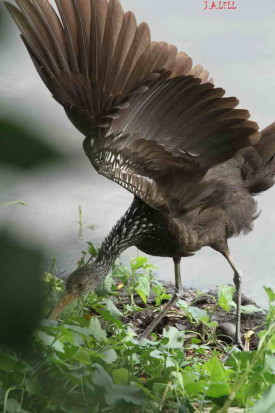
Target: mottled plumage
(155,125)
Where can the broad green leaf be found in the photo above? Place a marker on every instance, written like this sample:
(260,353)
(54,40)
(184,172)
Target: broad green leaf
(156,354)
(225,297)
(96,330)
(250,309)
(50,341)
(194,389)
(198,314)
(109,355)
(175,337)
(77,329)
(215,369)
(83,355)
(267,402)
(114,311)
(138,262)
(107,316)
(218,390)
(8,362)
(13,407)
(129,394)
(120,376)
(100,377)
(143,286)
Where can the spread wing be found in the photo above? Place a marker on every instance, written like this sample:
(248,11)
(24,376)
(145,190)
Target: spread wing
(161,147)
(153,123)
(93,55)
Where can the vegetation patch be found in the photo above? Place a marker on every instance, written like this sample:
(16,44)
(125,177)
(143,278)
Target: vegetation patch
(91,361)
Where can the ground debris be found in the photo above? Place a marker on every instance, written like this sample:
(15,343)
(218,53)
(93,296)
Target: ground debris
(254,321)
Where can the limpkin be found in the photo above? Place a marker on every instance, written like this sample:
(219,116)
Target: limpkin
(155,125)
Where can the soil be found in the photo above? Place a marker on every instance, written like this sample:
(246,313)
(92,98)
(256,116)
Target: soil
(254,322)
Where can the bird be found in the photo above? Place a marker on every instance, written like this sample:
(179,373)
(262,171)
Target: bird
(156,125)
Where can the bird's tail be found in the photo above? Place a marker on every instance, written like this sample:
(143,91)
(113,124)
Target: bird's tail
(259,166)
(92,56)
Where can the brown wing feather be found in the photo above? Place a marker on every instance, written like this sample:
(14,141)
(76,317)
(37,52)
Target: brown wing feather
(134,99)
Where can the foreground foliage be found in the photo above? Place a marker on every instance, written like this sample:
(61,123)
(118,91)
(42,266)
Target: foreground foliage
(91,360)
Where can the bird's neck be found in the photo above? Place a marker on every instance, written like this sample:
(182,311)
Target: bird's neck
(136,224)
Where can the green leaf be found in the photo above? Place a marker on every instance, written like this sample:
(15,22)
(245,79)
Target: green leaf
(218,390)
(50,341)
(92,249)
(138,262)
(225,297)
(8,362)
(109,355)
(198,314)
(114,311)
(174,336)
(107,316)
(13,406)
(120,376)
(100,377)
(156,354)
(267,402)
(82,355)
(143,286)
(250,309)
(215,369)
(96,330)
(129,394)
(199,387)
(270,293)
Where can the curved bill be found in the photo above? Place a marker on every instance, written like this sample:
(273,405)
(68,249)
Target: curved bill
(66,300)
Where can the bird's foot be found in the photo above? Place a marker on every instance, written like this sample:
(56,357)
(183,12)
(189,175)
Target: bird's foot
(239,344)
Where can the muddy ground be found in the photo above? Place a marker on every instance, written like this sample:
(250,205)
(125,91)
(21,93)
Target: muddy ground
(226,320)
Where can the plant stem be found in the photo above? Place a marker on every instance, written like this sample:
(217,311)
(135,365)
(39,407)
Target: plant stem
(238,385)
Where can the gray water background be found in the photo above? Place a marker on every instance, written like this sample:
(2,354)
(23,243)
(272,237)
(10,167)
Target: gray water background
(237,47)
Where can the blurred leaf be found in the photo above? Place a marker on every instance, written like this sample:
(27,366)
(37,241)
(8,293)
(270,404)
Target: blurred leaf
(270,293)
(215,369)
(138,262)
(13,203)
(129,394)
(8,362)
(109,355)
(21,293)
(50,341)
(218,390)
(96,330)
(225,297)
(114,311)
(100,377)
(143,286)
(120,376)
(250,309)
(267,402)
(22,148)
(107,316)
(174,336)
(13,406)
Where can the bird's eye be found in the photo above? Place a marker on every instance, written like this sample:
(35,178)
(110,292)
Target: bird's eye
(80,286)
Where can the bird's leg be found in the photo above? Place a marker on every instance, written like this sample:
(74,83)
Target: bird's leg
(169,305)
(238,284)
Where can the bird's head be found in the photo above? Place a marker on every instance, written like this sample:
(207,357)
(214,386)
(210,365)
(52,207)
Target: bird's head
(79,283)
